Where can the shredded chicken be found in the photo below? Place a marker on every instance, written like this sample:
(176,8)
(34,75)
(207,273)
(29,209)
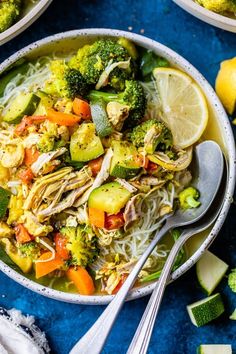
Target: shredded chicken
(117,114)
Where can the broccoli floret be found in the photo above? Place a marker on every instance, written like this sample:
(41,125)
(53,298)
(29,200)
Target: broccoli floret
(46,143)
(92,59)
(188,198)
(76,84)
(65,81)
(30,249)
(219,5)
(9,12)
(133,96)
(151,135)
(232,280)
(82,243)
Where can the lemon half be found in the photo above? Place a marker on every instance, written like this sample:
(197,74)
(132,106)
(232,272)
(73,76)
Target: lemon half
(226,84)
(183,105)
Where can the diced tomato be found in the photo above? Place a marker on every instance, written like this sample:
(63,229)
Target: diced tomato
(61,250)
(22,234)
(26,176)
(31,155)
(121,282)
(113,222)
(96,165)
(27,122)
(152,167)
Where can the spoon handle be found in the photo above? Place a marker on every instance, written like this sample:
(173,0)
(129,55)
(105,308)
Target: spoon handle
(141,339)
(93,341)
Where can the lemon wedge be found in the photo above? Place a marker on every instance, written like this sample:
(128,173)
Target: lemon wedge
(183,105)
(226,84)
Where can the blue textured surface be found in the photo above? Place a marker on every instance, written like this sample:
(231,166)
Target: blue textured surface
(204,46)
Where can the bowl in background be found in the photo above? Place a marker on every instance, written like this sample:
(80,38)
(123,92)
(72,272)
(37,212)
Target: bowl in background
(28,16)
(217,20)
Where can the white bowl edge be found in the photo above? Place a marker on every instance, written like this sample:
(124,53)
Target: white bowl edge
(215,19)
(25,21)
(211,96)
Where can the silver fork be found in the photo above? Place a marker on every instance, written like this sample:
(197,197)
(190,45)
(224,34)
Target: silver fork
(141,339)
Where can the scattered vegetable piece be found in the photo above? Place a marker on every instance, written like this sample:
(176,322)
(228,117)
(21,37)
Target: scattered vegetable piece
(82,280)
(206,310)
(210,270)
(214,349)
(232,280)
(233,316)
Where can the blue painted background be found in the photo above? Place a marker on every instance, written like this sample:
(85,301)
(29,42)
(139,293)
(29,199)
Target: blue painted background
(204,46)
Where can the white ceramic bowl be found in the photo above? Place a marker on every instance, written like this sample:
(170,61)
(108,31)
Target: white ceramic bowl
(220,131)
(217,20)
(29,15)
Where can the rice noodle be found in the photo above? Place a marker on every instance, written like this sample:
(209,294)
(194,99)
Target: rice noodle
(137,238)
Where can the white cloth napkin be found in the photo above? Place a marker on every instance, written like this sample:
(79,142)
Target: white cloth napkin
(19,334)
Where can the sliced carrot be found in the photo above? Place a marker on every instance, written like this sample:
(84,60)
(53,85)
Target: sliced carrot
(96,165)
(82,280)
(22,234)
(46,267)
(26,176)
(81,108)
(60,243)
(96,217)
(31,155)
(61,118)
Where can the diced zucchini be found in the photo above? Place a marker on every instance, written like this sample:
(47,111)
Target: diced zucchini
(124,161)
(100,118)
(4,201)
(210,270)
(215,349)
(110,197)
(206,310)
(85,145)
(24,263)
(45,102)
(23,104)
(233,316)
(5,78)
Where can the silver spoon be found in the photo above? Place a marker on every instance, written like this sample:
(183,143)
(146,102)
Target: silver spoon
(208,166)
(141,339)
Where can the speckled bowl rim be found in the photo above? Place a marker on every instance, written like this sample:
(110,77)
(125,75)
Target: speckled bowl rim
(228,138)
(217,20)
(25,21)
